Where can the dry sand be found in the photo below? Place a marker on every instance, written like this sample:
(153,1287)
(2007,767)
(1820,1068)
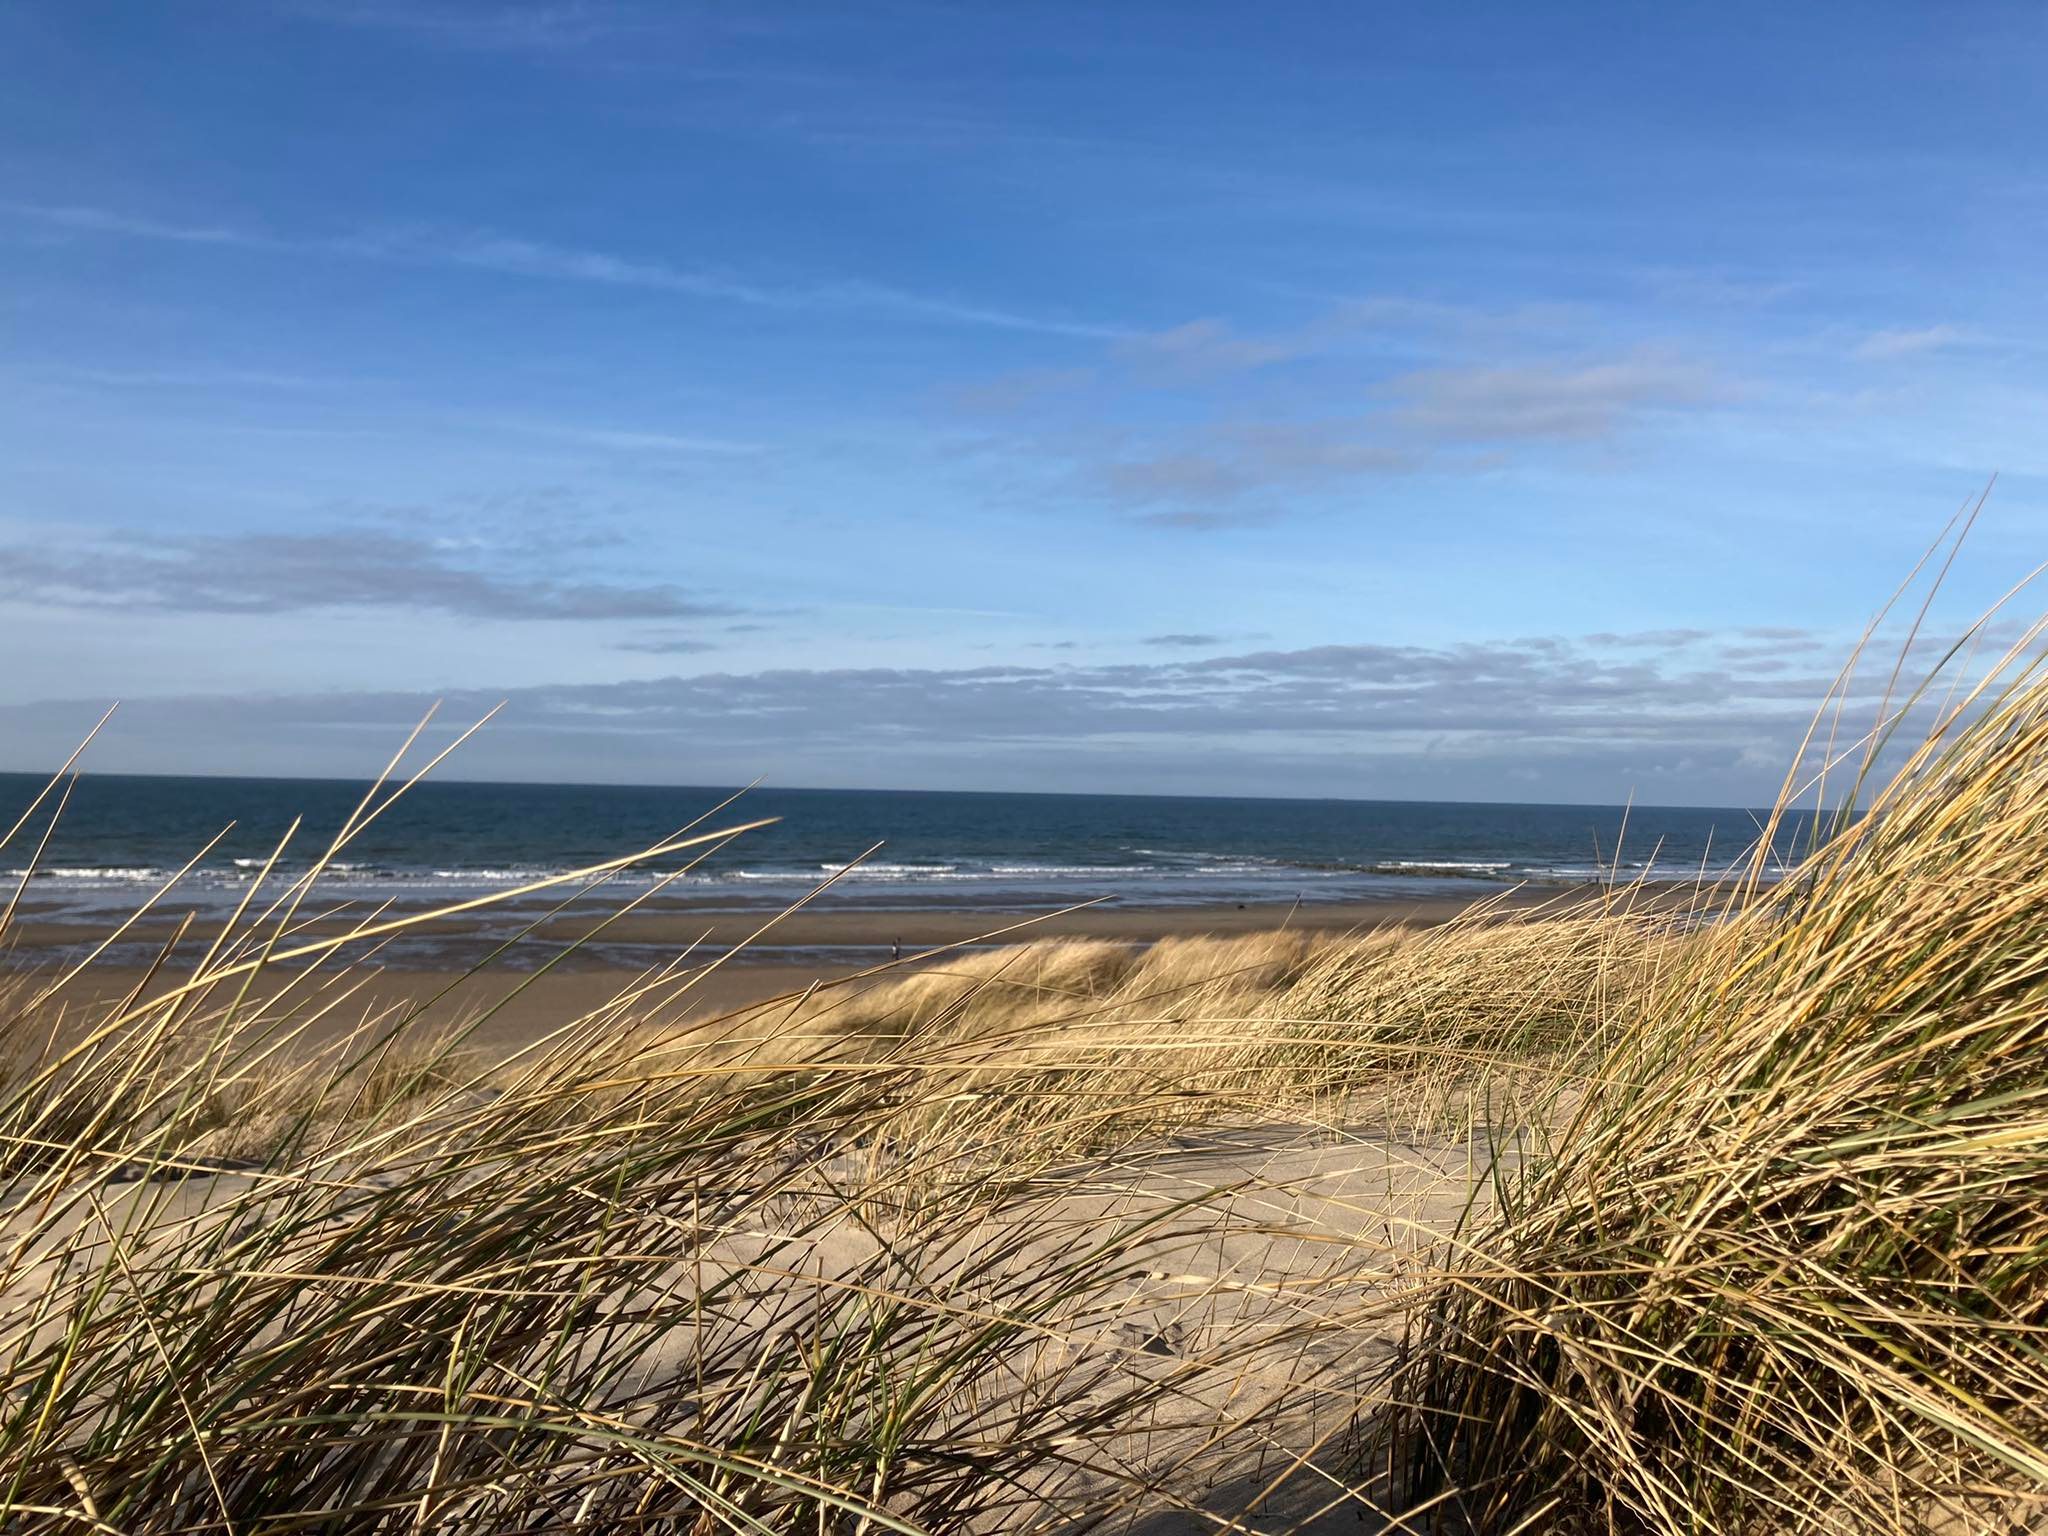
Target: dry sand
(1266,1292)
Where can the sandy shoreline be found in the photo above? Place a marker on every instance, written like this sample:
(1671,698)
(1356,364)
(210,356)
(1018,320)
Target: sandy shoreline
(795,950)
(769,934)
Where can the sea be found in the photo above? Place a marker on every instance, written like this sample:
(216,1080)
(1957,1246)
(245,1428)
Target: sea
(122,838)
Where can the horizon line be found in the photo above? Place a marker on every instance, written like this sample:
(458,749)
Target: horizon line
(835,789)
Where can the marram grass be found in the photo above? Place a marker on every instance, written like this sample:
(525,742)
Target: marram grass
(1748,1236)
(1785,1265)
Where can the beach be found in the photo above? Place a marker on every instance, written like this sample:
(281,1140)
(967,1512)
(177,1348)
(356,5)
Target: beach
(573,963)
(1033,1206)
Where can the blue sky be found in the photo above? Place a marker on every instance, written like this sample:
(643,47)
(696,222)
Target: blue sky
(1509,402)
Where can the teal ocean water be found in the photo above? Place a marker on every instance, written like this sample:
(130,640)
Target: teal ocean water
(122,837)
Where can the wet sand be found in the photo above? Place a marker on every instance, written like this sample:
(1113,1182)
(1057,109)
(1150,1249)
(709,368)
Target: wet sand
(771,935)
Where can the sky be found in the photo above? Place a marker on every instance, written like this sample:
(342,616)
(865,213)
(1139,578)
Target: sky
(1494,402)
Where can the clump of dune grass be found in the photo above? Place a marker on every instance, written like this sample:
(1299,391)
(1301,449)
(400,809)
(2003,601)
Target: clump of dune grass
(270,1261)
(1784,1268)
(1062,1048)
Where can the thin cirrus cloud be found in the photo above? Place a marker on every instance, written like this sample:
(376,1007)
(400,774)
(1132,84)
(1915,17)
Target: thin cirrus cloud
(634,441)
(1199,352)
(361,568)
(528,258)
(1545,401)
(540,26)
(1207,348)
(1891,345)
(145,379)
(86,220)
(1218,482)
(1430,419)
(665,644)
(517,257)
(1458,416)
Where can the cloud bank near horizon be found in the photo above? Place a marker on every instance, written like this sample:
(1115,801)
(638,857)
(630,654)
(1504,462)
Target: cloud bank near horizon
(1596,719)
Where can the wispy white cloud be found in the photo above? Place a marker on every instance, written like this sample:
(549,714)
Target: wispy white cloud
(1207,348)
(528,258)
(346,568)
(535,26)
(108,221)
(1545,400)
(1889,346)
(194,379)
(1205,485)
(664,642)
(627,441)
(1443,419)
(518,257)
(1211,348)
(1020,389)
(1712,288)
(864,295)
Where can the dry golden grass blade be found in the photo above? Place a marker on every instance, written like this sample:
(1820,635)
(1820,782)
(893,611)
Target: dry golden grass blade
(55,779)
